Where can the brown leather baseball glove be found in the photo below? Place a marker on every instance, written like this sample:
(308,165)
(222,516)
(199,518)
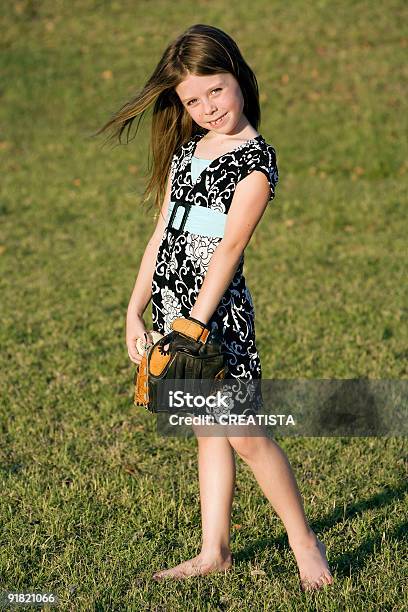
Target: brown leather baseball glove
(194,352)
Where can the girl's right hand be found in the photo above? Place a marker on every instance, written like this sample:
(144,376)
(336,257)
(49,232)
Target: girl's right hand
(135,328)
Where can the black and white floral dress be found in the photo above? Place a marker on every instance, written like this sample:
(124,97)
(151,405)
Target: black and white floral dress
(183,257)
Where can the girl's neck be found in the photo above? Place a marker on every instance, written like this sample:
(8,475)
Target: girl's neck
(241,132)
(212,145)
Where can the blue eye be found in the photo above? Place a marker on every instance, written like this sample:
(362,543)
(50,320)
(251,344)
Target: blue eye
(194,99)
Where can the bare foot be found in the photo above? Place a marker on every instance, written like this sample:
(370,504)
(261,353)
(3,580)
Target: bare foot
(198,566)
(312,562)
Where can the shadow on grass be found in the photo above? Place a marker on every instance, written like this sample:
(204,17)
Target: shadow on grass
(354,559)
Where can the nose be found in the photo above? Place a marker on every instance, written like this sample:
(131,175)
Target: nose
(209,107)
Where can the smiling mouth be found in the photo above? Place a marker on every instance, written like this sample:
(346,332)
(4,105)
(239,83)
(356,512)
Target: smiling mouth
(217,121)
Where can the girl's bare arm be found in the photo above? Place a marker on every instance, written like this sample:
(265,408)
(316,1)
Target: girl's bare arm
(248,205)
(142,290)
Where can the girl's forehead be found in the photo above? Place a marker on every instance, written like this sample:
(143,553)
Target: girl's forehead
(197,83)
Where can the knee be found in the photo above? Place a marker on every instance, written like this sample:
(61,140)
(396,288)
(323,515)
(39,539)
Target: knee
(247,447)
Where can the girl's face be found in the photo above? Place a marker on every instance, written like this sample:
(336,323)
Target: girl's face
(214,101)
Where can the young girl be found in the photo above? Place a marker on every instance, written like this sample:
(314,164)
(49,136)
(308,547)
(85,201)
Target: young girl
(207,152)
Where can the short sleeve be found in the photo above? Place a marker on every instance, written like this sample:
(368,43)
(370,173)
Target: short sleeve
(262,158)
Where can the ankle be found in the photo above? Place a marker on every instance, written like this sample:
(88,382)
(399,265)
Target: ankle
(216,553)
(307,538)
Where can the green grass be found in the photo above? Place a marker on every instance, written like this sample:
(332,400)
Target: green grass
(93,499)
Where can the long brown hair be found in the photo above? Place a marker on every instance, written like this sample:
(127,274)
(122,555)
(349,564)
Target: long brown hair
(201,50)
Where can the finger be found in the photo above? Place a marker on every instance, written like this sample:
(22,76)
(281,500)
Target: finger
(135,357)
(132,352)
(134,361)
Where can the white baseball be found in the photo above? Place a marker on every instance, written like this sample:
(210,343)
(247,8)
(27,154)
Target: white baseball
(152,337)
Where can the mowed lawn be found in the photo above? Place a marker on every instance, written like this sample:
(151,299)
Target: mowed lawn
(93,499)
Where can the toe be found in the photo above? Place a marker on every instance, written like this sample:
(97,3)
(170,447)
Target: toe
(310,585)
(324,580)
(158,575)
(329,578)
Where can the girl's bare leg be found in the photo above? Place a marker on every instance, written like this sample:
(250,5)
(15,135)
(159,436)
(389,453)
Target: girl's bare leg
(216,466)
(274,474)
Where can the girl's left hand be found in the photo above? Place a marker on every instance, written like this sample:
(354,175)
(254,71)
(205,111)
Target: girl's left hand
(135,328)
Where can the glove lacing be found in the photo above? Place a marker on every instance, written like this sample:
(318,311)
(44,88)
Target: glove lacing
(166,340)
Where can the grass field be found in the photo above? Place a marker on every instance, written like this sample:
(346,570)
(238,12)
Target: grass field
(93,499)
